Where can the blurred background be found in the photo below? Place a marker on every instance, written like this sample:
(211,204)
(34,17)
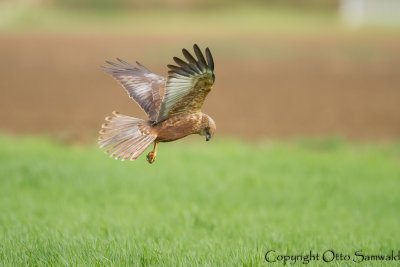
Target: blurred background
(284,69)
(306,155)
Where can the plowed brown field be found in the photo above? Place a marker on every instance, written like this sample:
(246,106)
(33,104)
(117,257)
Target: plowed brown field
(266,87)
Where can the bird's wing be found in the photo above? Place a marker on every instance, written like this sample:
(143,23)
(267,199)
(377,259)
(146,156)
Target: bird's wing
(188,84)
(143,86)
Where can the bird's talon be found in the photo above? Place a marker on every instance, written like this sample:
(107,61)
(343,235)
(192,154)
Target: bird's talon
(151,157)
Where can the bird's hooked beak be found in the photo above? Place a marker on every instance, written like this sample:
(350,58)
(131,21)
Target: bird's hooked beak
(208,137)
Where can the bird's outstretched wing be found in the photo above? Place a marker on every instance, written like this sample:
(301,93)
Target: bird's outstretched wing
(143,86)
(188,84)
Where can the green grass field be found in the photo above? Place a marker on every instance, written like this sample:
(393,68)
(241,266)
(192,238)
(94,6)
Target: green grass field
(221,203)
(243,20)
(232,20)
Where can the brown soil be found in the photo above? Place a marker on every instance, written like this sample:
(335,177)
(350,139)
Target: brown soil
(270,86)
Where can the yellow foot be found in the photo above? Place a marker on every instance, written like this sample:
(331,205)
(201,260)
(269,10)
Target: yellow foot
(151,157)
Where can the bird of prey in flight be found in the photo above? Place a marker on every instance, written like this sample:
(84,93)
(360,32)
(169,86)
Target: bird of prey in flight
(173,105)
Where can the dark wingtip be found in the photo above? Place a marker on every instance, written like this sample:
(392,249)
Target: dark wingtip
(180,72)
(172,67)
(188,56)
(179,61)
(210,59)
(199,55)
(195,64)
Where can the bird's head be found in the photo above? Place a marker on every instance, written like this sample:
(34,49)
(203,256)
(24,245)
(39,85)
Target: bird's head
(208,127)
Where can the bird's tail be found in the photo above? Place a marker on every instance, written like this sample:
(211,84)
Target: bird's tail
(125,137)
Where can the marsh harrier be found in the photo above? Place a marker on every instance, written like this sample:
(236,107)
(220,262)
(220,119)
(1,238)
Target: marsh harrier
(173,105)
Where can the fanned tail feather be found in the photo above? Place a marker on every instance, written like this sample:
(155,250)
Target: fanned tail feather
(125,137)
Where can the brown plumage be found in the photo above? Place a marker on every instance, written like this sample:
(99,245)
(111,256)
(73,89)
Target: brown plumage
(173,105)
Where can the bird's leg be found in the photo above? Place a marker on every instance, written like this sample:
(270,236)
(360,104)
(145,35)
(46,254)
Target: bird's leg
(151,157)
